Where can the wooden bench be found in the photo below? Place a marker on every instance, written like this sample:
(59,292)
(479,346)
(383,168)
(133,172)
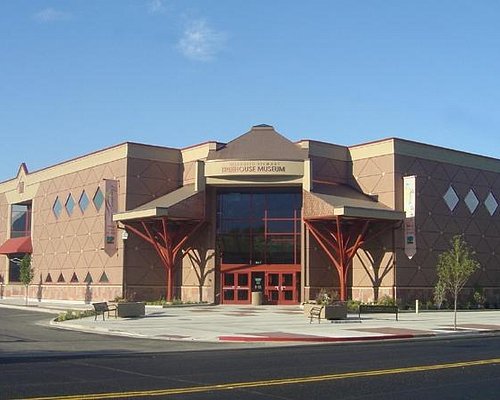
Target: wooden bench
(315,313)
(103,308)
(377,308)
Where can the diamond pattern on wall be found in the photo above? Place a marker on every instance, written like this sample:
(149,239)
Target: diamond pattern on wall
(451,199)
(491,204)
(440,190)
(471,201)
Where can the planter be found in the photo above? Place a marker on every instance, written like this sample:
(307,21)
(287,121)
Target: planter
(131,309)
(337,310)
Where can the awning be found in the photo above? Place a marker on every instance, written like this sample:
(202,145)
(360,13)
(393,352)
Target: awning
(17,245)
(183,203)
(328,201)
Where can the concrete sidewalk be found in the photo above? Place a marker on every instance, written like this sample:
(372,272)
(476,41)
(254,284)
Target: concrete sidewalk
(269,324)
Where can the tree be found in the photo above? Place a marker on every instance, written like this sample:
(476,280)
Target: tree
(26,273)
(439,295)
(454,269)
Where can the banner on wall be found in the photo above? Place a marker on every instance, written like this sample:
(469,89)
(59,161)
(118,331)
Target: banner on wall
(409,208)
(111,207)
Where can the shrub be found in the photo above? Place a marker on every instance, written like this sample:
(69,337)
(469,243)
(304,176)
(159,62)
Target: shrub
(386,301)
(72,314)
(353,305)
(326,296)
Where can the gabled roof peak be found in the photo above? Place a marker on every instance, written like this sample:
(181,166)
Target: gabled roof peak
(262,142)
(263,126)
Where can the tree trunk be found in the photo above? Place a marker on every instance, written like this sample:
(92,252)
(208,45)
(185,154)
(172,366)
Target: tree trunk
(25,295)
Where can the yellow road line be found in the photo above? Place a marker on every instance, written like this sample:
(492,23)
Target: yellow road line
(271,382)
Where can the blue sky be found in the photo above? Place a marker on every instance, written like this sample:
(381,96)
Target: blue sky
(77,76)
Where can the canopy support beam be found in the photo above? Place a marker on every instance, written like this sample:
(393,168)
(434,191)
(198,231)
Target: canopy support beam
(167,237)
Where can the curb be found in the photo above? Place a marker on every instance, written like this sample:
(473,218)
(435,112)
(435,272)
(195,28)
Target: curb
(319,339)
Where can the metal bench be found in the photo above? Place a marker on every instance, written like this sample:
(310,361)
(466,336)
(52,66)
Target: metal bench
(377,308)
(103,308)
(315,313)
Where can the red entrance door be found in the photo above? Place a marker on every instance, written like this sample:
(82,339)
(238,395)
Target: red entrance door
(236,287)
(281,288)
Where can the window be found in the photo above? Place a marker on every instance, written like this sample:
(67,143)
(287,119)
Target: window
(15,267)
(57,208)
(88,278)
(20,225)
(83,203)
(70,204)
(104,278)
(491,203)
(98,199)
(255,227)
(451,199)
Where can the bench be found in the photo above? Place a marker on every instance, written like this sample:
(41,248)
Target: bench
(103,308)
(315,313)
(377,308)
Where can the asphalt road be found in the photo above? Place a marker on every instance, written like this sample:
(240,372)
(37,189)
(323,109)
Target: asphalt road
(72,363)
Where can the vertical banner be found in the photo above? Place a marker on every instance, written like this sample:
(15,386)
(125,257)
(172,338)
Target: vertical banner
(409,208)
(111,207)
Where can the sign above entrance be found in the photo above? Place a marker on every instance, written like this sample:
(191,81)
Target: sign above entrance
(254,168)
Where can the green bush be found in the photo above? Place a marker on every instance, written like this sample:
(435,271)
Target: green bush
(353,306)
(72,314)
(175,302)
(386,301)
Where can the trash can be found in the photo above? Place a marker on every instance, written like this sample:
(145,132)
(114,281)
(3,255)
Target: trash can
(256,298)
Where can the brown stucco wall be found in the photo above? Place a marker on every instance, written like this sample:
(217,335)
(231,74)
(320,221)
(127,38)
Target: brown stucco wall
(147,179)
(73,244)
(201,266)
(436,225)
(70,247)
(326,169)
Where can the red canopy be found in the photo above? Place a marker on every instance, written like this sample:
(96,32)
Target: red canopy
(17,245)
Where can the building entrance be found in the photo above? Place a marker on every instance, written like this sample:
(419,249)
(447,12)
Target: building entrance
(258,238)
(281,287)
(277,287)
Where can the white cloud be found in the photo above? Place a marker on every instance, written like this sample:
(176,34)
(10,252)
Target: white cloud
(157,7)
(51,15)
(200,42)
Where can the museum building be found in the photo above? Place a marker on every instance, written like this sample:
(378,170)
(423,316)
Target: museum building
(222,222)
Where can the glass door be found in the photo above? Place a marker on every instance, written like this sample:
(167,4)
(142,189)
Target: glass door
(236,288)
(287,289)
(281,288)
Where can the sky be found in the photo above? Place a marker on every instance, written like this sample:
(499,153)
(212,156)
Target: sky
(77,76)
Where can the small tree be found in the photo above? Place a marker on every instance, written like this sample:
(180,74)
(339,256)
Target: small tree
(439,295)
(26,273)
(454,269)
